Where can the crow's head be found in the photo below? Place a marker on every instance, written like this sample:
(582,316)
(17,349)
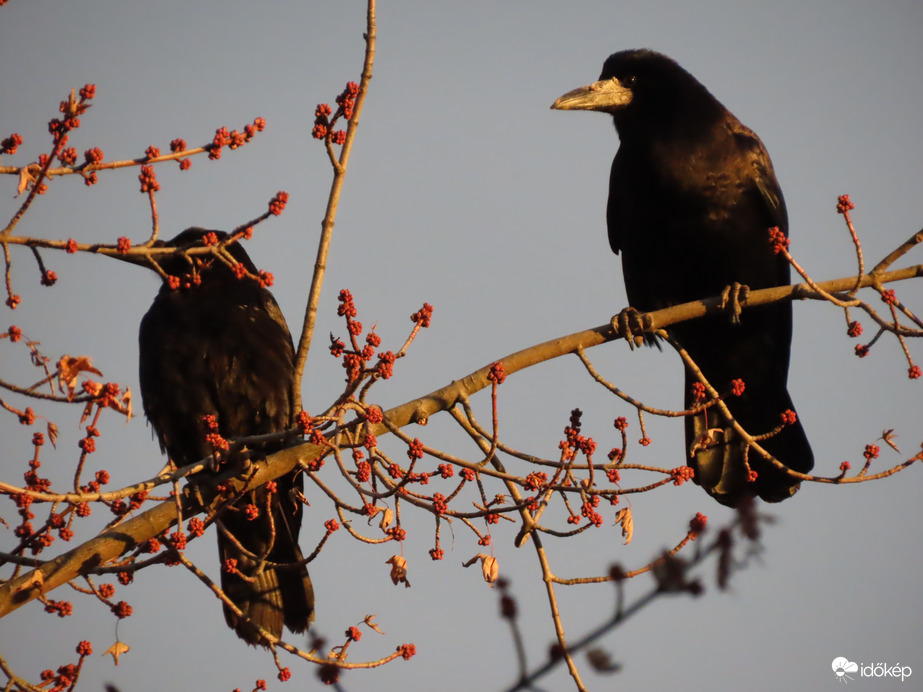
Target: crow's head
(645,91)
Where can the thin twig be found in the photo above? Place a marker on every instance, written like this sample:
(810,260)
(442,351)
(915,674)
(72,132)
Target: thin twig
(336,187)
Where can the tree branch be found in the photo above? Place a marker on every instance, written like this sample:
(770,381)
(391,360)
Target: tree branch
(336,187)
(110,545)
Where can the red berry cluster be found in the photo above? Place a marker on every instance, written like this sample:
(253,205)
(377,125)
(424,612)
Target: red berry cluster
(71,109)
(588,511)
(698,392)
(196,527)
(122,610)
(385,366)
(440,504)
(415,449)
(347,99)
(374,414)
(697,525)
(681,474)
(496,374)
(93,156)
(535,481)
(778,240)
(9,144)
(213,437)
(232,140)
(355,359)
(277,203)
(843,204)
(574,442)
(177,146)
(68,157)
(423,316)
(323,123)
(148,180)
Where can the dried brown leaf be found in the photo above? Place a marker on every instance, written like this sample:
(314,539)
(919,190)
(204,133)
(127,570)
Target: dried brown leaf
(707,439)
(117,650)
(27,176)
(398,570)
(387,516)
(888,438)
(490,568)
(69,369)
(370,622)
(628,525)
(126,403)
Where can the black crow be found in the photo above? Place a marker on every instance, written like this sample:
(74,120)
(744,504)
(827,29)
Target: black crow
(217,345)
(692,194)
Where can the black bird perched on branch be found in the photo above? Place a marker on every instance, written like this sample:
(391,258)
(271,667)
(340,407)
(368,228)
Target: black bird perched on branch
(692,194)
(217,345)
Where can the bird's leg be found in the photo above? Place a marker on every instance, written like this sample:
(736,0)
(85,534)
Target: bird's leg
(214,462)
(732,297)
(711,437)
(632,325)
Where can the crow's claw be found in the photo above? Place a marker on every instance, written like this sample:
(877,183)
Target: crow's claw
(632,325)
(732,297)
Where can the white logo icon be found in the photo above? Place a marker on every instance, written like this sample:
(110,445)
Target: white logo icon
(842,666)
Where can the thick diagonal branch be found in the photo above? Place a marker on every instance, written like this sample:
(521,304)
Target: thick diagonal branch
(110,545)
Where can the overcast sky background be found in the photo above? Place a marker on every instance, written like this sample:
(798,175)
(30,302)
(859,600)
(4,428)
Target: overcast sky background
(467,192)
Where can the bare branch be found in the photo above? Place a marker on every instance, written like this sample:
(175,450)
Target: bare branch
(336,187)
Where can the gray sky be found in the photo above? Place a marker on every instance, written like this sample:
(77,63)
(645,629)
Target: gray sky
(467,192)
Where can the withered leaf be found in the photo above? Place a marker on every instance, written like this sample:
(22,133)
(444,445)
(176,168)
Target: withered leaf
(398,570)
(117,650)
(490,568)
(27,176)
(370,622)
(387,516)
(69,369)
(888,438)
(628,525)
